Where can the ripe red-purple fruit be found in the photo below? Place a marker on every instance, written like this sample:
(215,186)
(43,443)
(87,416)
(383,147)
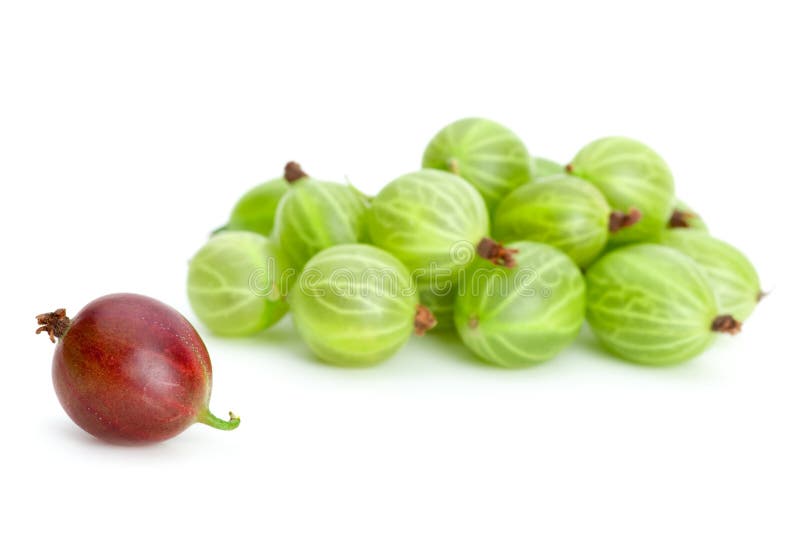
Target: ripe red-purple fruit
(130,369)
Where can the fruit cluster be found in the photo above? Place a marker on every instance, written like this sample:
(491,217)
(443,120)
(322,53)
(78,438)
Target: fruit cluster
(510,251)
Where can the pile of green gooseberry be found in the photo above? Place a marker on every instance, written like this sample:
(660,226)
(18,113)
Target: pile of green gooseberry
(509,251)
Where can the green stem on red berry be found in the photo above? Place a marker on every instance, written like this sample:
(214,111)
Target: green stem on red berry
(206,417)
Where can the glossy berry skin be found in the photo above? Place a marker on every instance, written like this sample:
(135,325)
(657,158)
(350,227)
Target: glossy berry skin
(631,176)
(487,154)
(520,316)
(731,275)
(237,283)
(131,369)
(565,212)
(431,221)
(354,305)
(255,210)
(315,215)
(650,304)
(542,168)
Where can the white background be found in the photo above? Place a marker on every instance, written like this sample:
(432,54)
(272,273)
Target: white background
(127,131)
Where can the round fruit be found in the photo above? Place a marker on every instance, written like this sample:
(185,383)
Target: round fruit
(653,305)
(485,153)
(731,275)
(634,180)
(431,221)
(356,305)
(315,215)
(542,168)
(683,217)
(563,211)
(130,369)
(524,312)
(421,217)
(236,283)
(255,210)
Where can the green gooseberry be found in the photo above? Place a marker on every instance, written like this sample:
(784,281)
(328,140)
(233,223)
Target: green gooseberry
(683,217)
(235,285)
(732,277)
(542,168)
(487,154)
(566,212)
(525,310)
(431,221)
(314,215)
(634,179)
(421,216)
(356,305)
(653,305)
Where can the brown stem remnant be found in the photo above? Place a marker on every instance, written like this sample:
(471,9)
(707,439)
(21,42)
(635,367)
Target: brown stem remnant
(55,324)
(680,219)
(293,172)
(619,220)
(726,324)
(568,168)
(495,253)
(761,295)
(424,321)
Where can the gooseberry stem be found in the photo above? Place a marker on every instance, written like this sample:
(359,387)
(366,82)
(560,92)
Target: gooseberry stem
(424,320)
(292,172)
(55,324)
(726,324)
(619,220)
(206,417)
(495,253)
(680,219)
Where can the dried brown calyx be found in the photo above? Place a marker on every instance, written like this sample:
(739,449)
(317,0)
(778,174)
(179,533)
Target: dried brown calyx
(55,324)
(424,320)
(293,172)
(681,219)
(620,220)
(726,324)
(495,253)
(568,168)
